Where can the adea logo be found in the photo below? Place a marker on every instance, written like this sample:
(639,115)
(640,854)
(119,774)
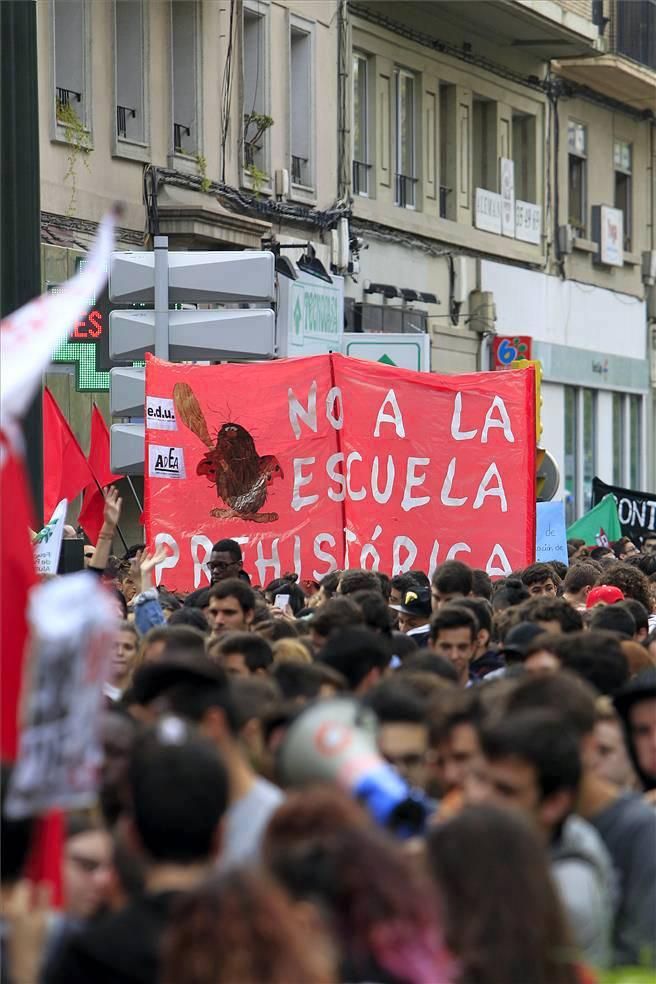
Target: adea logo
(166,462)
(160,413)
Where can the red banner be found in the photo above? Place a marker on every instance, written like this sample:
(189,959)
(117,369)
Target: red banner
(329,462)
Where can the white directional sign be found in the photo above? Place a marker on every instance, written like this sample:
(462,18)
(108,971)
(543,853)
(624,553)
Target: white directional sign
(407,351)
(310,315)
(233,333)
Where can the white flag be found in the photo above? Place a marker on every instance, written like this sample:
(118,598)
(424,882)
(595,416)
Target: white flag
(47,544)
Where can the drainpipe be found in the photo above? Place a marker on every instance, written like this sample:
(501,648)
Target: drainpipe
(343,102)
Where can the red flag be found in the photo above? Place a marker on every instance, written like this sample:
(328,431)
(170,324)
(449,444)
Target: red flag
(91,513)
(65,469)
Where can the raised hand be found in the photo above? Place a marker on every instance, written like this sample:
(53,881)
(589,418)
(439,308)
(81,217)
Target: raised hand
(148,561)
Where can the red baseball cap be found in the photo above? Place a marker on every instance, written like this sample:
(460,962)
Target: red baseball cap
(605,594)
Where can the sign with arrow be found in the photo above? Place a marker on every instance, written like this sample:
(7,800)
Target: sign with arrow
(406,351)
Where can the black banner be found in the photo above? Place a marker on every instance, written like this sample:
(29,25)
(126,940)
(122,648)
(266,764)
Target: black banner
(636,510)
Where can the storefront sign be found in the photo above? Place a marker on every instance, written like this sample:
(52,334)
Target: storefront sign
(507,348)
(487,213)
(608,225)
(407,351)
(310,317)
(507,169)
(528,222)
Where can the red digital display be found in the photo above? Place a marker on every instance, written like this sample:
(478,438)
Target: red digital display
(90,329)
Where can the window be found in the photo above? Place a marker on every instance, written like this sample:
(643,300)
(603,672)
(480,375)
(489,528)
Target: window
(577,147)
(571,457)
(184,52)
(71,96)
(405,112)
(622,161)
(361,165)
(130,74)
(484,147)
(580,449)
(523,153)
(256,119)
(448,158)
(301,106)
(618,438)
(635,442)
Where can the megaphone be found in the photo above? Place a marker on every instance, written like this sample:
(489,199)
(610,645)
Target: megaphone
(334,740)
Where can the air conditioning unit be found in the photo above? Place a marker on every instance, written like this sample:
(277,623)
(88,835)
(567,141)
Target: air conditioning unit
(565,239)
(282,183)
(649,267)
(340,245)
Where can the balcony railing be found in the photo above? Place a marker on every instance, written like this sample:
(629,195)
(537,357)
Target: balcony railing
(361,178)
(634,30)
(405,190)
(180,131)
(299,165)
(122,115)
(66,96)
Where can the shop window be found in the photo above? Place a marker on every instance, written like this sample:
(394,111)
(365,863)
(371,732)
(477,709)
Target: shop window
(184,57)
(130,70)
(406,137)
(70,42)
(361,125)
(301,106)
(255,109)
(622,162)
(577,150)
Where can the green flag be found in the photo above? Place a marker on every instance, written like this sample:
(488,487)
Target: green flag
(600,526)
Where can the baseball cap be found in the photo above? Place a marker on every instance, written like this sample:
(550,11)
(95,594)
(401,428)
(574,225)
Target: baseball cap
(519,638)
(152,679)
(416,601)
(604,594)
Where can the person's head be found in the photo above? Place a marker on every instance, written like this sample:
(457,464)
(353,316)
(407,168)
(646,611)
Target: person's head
(612,759)
(414,611)
(576,548)
(375,611)
(578,581)
(336,614)
(636,705)
(124,654)
(482,611)
(484,858)
(455,719)
(649,544)
(253,699)
(242,654)
(614,618)
(533,764)
(453,635)
(517,641)
(543,653)
(508,594)
(399,584)
(286,586)
(382,910)
(640,616)
(402,728)
(311,813)
(604,555)
(482,584)
(625,548)
(165,641)
(225,560)
(178,794)
(118,731)
(551,614)
(427,661)
(232,606)
(631,582)
(190,616)
(358,580)
(597,657)
(328,586)
(242,926)
(87,857)
(199,599)
(15,835)
(451,580)
(359,655)
(304,681)
(291,651)
(540,579)
(604,594)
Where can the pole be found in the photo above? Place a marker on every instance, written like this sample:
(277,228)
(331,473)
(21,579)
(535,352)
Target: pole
(20,236)
(161,249)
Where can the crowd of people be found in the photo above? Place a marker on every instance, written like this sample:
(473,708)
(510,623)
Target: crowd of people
(516,718)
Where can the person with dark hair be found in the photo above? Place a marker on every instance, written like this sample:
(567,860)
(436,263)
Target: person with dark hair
(578,581)
(414,614)
(540,579)
(604,555)
(399,584)
(169,639)
(305,681)
(482,584)
(486,659)
(482,856)
(508,594)
(285,586)
(232,606)
(359,655)
(253,699)
(356,579)
(636,706)
(242,654)
(383,911)
(375,612)
(640,616)
(118,731)
(533,764)
(190,616)
(454,719)
(225,561)
(198,599)
(402,728)
(210,941)
(614,618)
(178,836)
(452,580)
(199,691)
(543,653)
(333,616)
(626,823)
(631,582)
(625,548)
(327,587)
(576,549)
(551,614)
(427,661)
(453,634)
(514,648)
(403,647)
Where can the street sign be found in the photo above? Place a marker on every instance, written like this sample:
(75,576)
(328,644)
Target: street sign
(127,449)
(232,333)
(407,351)
(127,388)
(310,315)
(215,277)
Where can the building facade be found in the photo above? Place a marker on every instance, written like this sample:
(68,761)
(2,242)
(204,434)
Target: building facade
(495,161)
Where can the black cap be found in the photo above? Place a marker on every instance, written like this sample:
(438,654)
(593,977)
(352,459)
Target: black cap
(641,687)
(416,601)
(520,637)
(153,679)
